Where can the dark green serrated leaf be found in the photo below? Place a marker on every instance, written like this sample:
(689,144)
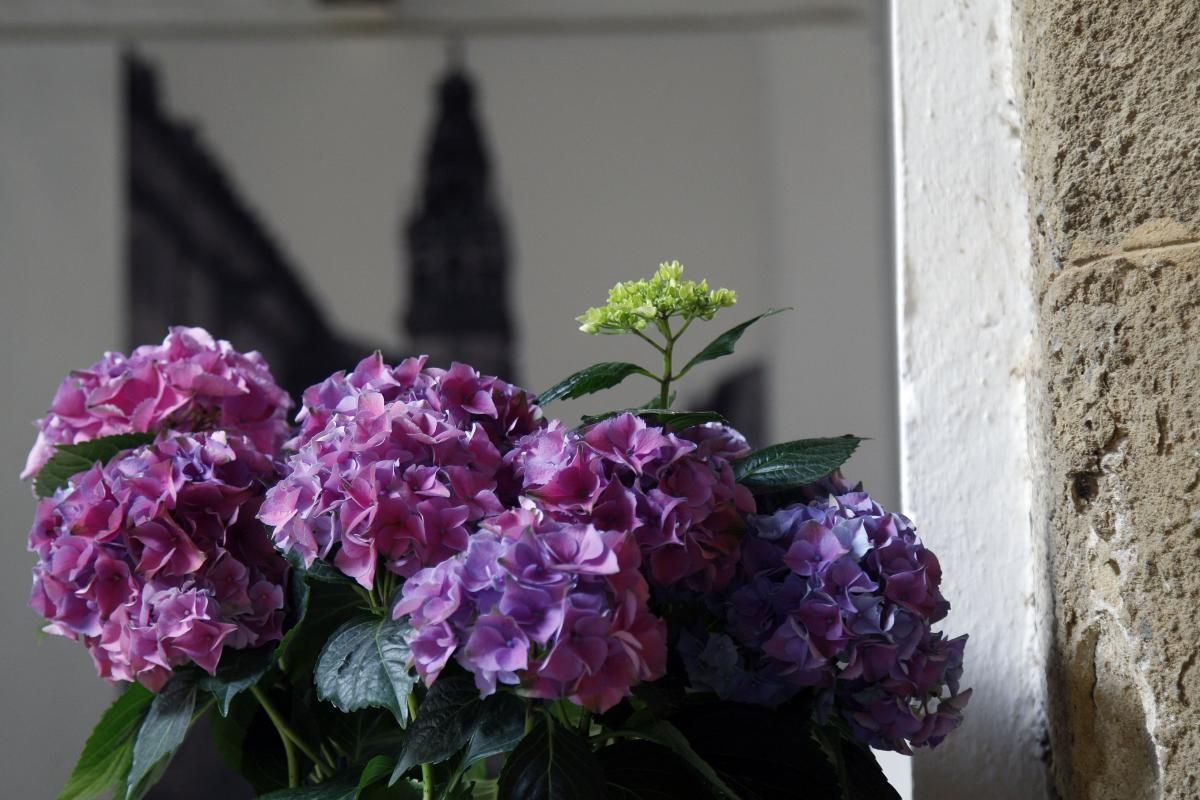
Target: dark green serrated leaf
(71,459)
(498,728)
(444,723)
(237,672)
(858,771)
(643,770)
(109,749)
(675,420)
(723,345)
(783,466)
(595,378)
(365,665)
(339,789)
(162,731)
(552,762)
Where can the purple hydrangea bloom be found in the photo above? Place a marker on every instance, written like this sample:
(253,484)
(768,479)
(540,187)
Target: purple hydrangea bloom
(675,493)
(156,560)
(408,463)
(555,610)
(191,382)
(838,595)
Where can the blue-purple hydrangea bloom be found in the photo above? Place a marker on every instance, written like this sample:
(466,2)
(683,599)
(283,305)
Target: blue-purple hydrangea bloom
(837,595)
(156,560)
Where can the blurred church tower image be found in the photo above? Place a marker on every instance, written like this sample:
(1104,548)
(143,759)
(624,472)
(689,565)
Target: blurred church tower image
(457,246)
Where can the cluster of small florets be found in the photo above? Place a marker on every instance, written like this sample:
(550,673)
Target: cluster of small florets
(557,611)
(634,304)
(838,594)
(190,382)
(504,411)
(674,493)
(156,560)
(407,479)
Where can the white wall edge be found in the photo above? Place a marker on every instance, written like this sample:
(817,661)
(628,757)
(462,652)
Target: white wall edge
(964,332)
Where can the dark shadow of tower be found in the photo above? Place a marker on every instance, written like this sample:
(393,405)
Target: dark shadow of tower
(457,245)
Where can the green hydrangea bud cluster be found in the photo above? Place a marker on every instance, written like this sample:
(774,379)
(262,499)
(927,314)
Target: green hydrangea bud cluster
(634,304)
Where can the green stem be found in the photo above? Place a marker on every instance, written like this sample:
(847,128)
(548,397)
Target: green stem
(426,769)
(285,731)
(288,748)
(653,343)
(664,382)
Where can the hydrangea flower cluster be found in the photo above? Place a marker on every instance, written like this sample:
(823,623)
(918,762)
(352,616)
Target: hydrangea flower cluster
(156,560)
(557,610)
(675,493)
(632,305)
(838,594)
(191,382)
(407,463)
(505,412)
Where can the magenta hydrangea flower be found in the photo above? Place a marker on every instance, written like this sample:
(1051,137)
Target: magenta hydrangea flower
(675,493)
(839,595)
(404,473)
(554,610)
(156,560)
(191,382)
(505,412)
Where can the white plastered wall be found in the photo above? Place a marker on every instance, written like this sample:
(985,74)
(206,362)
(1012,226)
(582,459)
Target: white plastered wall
(965,320)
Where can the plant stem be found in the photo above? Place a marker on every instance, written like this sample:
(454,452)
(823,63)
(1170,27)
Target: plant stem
(426,769)
(285,731)
(288,748)
(664,382)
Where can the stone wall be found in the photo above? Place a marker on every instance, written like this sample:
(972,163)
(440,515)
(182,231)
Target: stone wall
(1111,110)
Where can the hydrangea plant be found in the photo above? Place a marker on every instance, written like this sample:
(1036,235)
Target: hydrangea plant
(426,588)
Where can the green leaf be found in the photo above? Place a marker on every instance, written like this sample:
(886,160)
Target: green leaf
(71,459)
(319,570)
(593,379)
(552,762)
(643,770)
(444,723)
(783,466)
(109,749)
(326,607)
(372,783)
(723,345)
(162,731)
(365,665)
(667,735)
(237,672)
(858,771)
(498,728)
(340,789)
(675,420)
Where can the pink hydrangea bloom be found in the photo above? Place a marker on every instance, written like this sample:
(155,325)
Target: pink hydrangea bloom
(675,493)
(156,560)
(556,610)
(407,464)
(506,412)
(191,382)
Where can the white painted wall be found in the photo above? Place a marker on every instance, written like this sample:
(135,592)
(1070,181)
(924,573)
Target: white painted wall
(965,325)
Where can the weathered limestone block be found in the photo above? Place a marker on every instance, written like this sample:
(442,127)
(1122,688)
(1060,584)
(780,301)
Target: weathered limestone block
(1111,112)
